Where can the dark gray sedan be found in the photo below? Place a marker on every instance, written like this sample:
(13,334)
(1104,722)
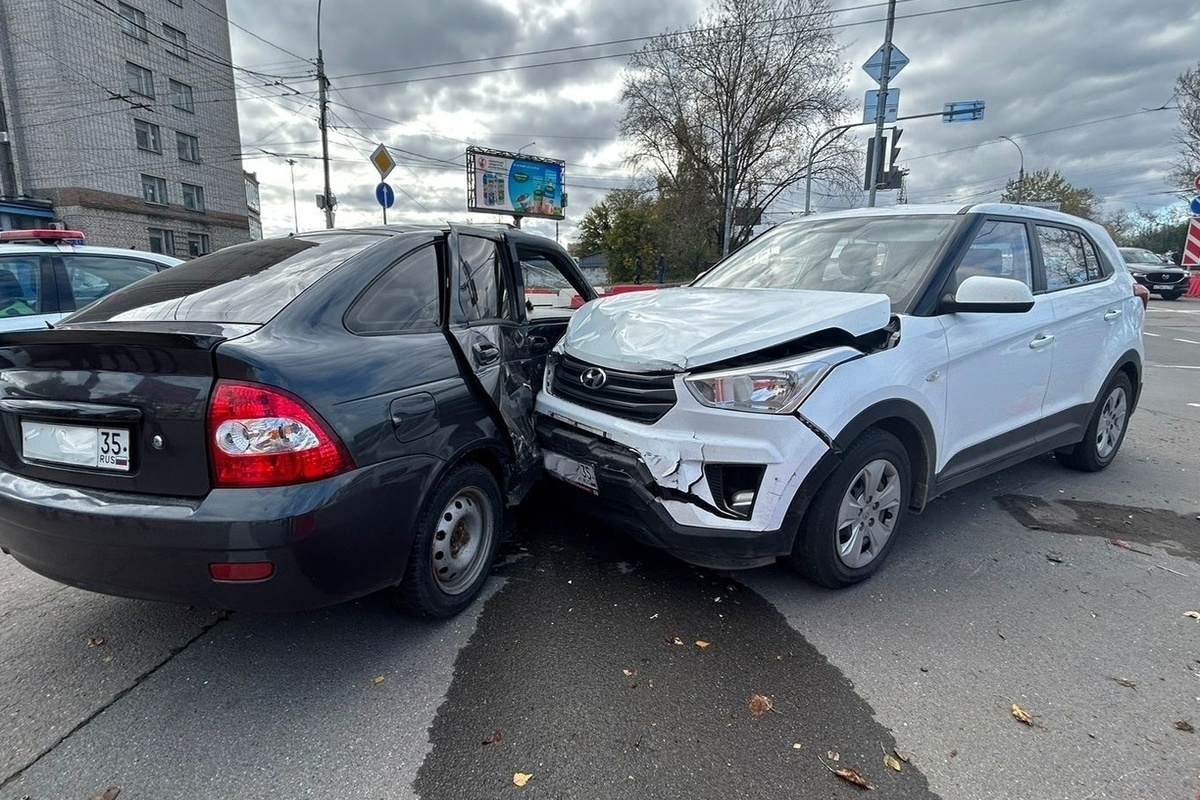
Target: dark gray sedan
(285,424)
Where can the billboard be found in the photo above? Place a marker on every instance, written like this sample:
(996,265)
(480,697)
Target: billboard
(511,183)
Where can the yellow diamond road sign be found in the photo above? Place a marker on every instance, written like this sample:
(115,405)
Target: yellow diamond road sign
(383,161)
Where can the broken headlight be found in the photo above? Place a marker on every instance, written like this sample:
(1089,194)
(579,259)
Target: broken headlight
(776,388)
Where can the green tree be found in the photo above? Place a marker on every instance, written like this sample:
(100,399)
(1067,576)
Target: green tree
(736,100)
(622,227)
(1050,186)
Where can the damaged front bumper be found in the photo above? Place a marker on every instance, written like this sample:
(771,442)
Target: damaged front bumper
(715,488)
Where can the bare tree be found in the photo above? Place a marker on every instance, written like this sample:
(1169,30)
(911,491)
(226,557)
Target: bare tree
(1187,89)
(737,98)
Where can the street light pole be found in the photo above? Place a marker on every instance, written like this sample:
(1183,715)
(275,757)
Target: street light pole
(1021,174)
(291,162)
(322,88)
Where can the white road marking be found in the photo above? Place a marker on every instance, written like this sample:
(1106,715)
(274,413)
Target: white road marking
(1187,341)
(1173,311)
(1169,366)
(1148,333)
(1194,405)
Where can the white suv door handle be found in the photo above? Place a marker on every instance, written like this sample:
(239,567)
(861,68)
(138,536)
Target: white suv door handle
(1041,340)
(1109,316)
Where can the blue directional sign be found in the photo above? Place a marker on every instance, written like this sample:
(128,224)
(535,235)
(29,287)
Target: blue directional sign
(874,65)
(964,111)
(385,195)
(1196,205)
(871,105)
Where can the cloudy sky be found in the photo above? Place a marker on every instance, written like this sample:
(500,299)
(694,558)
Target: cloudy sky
(1083,86)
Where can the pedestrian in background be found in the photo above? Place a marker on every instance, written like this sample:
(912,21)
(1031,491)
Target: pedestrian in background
(637,269)
(662,269)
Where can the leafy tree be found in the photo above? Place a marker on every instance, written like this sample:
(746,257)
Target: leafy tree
(1187,88)
(622,227)
(734,103)
(1050,186)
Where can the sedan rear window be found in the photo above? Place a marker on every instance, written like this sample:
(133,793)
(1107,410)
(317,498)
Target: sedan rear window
(248,283)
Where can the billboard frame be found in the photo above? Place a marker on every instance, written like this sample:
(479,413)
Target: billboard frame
(473,205)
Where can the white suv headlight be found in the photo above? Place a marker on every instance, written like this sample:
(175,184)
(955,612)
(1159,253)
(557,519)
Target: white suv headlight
(776,388)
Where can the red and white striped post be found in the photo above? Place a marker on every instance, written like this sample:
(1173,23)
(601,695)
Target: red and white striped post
(1191,257)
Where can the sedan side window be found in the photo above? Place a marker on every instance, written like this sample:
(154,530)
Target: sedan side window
(92,277)
(405,298)
(999,250)
(483,292)
(1066,258)
(20,286)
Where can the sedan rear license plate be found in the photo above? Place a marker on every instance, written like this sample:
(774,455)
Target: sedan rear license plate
(573,472)
(76,445)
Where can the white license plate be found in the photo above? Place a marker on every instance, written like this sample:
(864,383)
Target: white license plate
(76,445)
(573,472)
(1159,287)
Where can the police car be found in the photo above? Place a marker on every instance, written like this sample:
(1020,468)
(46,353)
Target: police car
(47,274)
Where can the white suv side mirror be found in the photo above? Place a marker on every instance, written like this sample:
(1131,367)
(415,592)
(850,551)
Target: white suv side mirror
(982,293)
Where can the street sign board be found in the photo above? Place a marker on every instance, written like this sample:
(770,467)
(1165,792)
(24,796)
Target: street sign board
(1049,205)
(385,195)
(871,105)
(962,111)
(874,65)
(1196,205)
(383,161)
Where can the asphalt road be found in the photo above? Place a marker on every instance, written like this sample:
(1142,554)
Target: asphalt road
(1007,591)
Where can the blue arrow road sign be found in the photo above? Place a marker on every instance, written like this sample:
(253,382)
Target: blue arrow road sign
(1196,205)
(385,195)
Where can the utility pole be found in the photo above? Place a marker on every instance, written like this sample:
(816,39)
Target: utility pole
(291,162)
(322,88)
(881,110)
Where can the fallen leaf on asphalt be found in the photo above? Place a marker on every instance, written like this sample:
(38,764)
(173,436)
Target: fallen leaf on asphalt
(497,738)
(108,794)
(760,704)
(1021,715)
(903,755)
(107,659)
(378,679)
(629,673)
(1121,543)
(851,776)
(1185,726)
(796,745)
(1054,558)
(95,641)
(1128,684)
(833,755)
(675,640)
(953,753)
(1192,614)
(702,644)
(891,761)
(521,778)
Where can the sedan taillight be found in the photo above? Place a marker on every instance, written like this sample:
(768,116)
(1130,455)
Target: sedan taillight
(263,436)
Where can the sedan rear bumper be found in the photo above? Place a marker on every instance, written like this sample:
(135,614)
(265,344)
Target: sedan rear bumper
(329,541)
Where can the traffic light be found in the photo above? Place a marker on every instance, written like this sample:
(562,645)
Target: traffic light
(893,155)
(889,176)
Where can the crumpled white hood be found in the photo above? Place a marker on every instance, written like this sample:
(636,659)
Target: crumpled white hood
(678,329)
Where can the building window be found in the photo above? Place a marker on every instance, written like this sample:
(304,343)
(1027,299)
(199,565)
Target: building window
(176,42)
(133,21)
(188,147)
(198,244)
(154,190)
(162,241)
(139,79)
(149,136)
(193,197)
(181,96)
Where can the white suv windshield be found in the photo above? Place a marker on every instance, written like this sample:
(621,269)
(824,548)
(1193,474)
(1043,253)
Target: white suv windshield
(888,255)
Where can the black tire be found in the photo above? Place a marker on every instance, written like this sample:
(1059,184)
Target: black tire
(456,539)
(1105,430)
(1171,295)
(836,555)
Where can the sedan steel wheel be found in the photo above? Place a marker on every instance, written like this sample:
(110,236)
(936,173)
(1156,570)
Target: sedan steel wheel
(462,540)
(868,514)
(1112,422)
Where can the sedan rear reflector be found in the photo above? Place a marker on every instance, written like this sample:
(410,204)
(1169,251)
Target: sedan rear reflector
(241,571)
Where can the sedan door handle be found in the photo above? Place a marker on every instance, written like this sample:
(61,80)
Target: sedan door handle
(1041,340)
(485,353)
(1109,316)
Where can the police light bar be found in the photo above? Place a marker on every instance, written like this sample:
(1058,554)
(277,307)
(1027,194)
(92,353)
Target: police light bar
(43,235)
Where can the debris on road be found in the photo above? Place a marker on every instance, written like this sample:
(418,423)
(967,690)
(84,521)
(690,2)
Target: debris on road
(760,704)
(497,739)
(1192,614)
(1054,558)
(521,778)
(1185,726)
(1022,716)
(1128,684)
(849,775)
(833,755)
(108,794)
(675,640)
(702,644)
(378,679)
(1124,545)
(890,760)
(95,641)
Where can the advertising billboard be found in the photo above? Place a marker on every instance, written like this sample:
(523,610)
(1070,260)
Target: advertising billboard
(511,183)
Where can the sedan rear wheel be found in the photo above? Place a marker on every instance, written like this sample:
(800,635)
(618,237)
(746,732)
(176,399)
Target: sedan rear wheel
(455,543)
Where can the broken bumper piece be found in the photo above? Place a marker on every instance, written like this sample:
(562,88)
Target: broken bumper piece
(729,517)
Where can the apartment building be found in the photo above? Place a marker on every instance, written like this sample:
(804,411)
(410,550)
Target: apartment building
(123,115)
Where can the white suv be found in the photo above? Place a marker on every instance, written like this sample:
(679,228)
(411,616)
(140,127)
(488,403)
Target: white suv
(47,274)
(840,371)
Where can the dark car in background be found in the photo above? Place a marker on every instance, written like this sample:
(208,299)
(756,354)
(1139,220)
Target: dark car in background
(285,424)
(1158,275)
